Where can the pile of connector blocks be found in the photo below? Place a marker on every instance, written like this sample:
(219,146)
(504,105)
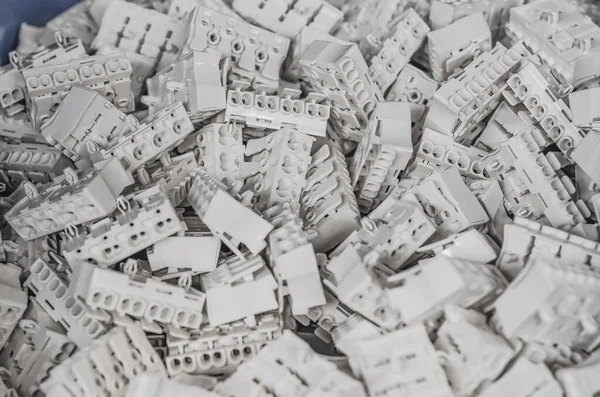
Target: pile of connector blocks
(302,198)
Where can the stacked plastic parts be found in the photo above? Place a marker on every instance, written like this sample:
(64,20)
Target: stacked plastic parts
(302,198)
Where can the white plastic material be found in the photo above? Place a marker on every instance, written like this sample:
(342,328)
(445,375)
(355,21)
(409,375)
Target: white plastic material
(52,293)
(73,22)
(215,350)
(182,9)
(13,300)
(402,363)
(412,85)
(581,379)
(174,177)
(470,245)
(146,218)
(289,367)
(546,303)
(293,259)
(382,154)
(196,80)
(110,364)
(287,18)
(18,129)
(108,75)
(199,254)
(457,44)
(505,122)
(225,216)
(32,161)
(270,112)
(256,54)
(238,289)
(76,198)
(151,385)
(157,134)
(582,104)
(328,203)
(147,299)
(563,38)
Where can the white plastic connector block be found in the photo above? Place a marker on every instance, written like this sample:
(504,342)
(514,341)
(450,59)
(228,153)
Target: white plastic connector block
(52,293)
(156,135)
(146,218)
(546,303)
(32,161)
(382,154)
(581,380)
(525,239)
(288,366)
(412,85)
(199,254)
(583,108)
(108,75)
(239,288)
(438,150)
(108,365)
(395,52)
(584,155)
(457,44)
(420,293)
(76,198)
(182,9)
(256,54)
(288,18)
(74,22)
(278,166)
(196,80)
(151,385)
(293,259)
(133,28)
(505,122)
(225,216)
(328,203)
(217,350)
(466,100)
(18,129)
(148,299)
(525,379)
(564,39)
(470,245)
(532,183)
(219,150)
(341,73)
(402,363)
(85,122)
(271,112)
(174,177)
(13,300)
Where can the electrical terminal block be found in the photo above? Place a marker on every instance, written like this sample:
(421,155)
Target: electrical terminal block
(149,300)
(287,19)
(463,101)
(12,90)
(135,29)
(341,73)
(470,245)
(505,122)
(355,328)
(196,79)
(580,380)
(140,221)
(555,310)
(377,360)
(91,371)
(156,135)
(46,86)
(31,162)
(438,150)
(221,349)
(327,202)
(73,199)
(473,355)
(278,166)
(97,125)
(52,293)
(219,150)
(328,317)
(18,129)
(225,216)
(200,254)
(290,364)
(462,283)
(457,44)
(150,385)
(274,112)
(293,259)
(239,288)
(382,154)
(563,38)
(396,50)
(182,9)
(531,181)
(74,22)
(412,85)
(354,284)
(13,301)
(256,54)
